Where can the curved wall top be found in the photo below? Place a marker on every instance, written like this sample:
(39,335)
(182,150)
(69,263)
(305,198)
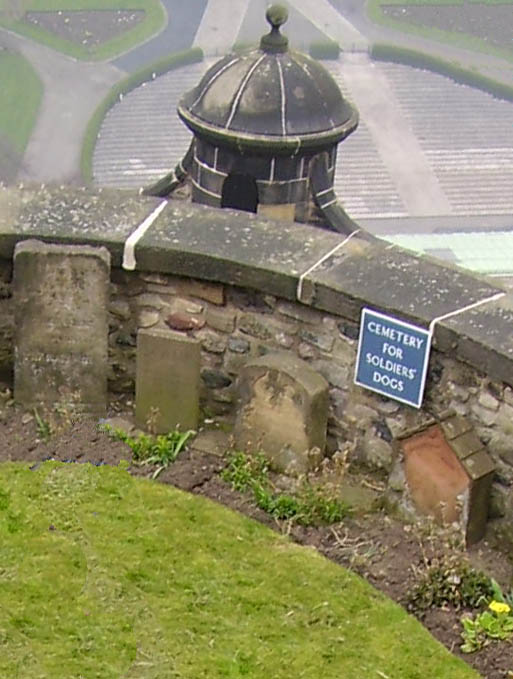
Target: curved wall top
(472,319)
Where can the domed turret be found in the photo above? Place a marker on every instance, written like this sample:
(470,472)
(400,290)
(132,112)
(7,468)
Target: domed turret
(266,125)
(271,99)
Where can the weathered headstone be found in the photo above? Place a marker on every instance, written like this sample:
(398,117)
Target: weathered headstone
(283,411)
(167,380)
(61,325)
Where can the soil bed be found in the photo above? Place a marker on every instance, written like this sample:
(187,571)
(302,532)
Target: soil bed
(384,551)
(489,22)
(86,28)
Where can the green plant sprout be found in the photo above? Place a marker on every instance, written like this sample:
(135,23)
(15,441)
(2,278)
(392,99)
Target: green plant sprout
(161,450)
(43,426)
(494,624)
(310,505)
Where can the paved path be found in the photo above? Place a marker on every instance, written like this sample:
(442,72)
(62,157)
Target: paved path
(394,139)
(72,90)
(220,26)
(325,17)
(183,19)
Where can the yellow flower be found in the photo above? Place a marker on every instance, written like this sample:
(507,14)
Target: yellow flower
(499,607)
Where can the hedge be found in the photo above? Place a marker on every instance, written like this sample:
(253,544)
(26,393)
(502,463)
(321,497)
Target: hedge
(409,57)
(189,56)
(325,49)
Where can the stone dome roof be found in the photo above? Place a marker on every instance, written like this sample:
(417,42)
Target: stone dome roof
(269,98)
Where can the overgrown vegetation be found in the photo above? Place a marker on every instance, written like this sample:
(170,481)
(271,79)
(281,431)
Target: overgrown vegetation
(190,56)
(308,505)
(409,57)
(12,13)
(147,449)
(105,575)
(449,582)
(445,576)
(21,93)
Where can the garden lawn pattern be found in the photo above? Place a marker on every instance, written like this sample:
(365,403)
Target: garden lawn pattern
(88,28)
(79,28)
(490,22)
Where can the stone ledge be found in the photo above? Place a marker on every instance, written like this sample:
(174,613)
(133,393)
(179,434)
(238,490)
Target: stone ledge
(248,251)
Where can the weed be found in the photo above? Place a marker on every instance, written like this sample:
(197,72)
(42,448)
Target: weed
(494,624)
(44,428)
(450,583)
(310,505)
(243,472)
(446,578)
(161,450)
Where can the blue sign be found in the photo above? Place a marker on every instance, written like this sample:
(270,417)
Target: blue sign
(392,357)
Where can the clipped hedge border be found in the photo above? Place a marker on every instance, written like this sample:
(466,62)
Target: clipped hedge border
(409,57)
(189,56)
(324,49)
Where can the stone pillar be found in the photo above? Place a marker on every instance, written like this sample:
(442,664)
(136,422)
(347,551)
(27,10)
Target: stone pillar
(167,380)
(61,325)
(283,412)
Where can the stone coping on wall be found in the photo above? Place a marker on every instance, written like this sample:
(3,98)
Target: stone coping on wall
(321,269)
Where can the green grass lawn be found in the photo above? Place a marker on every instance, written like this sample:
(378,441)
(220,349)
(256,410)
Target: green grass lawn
(154,20)
(105,576)
(455,38)
(21,92)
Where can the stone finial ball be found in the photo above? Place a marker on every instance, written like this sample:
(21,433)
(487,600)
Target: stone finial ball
(277,15)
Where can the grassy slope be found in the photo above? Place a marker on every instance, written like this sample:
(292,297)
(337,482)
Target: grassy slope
(21,92)
(104,576)
(154,20)
(457,39)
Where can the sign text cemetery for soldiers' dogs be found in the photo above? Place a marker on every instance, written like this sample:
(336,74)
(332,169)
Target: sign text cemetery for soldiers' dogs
(392,357)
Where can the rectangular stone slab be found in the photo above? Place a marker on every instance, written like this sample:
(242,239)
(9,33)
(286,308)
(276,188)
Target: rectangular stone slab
(167,381)
(61,325)
(384,277)
(69,215)
(230,247)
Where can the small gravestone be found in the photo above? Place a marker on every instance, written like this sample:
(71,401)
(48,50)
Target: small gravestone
(167,381)
(449,474)
(283,411)
(61,325)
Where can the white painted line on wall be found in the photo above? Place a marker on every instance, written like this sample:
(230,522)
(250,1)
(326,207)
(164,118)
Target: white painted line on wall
(468,307)
(299,290)
(135,237)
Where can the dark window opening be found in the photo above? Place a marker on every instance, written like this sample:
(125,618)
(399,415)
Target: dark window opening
(240,192)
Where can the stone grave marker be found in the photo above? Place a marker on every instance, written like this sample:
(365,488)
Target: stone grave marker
(448,474)
(61,325)
(282,412)
(167,380)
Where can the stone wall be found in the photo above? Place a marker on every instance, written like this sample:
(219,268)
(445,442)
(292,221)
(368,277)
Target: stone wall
(261,269)
(235,324)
